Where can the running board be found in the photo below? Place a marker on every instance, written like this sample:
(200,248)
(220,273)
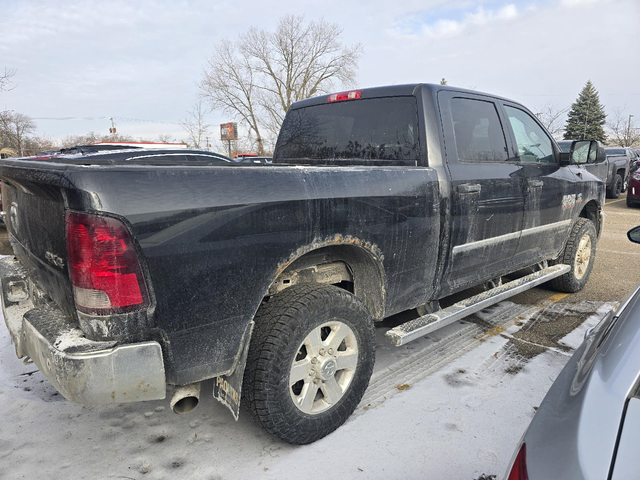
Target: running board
(421,326)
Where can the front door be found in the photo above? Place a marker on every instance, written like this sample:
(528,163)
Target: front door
(487,199)
(550,193)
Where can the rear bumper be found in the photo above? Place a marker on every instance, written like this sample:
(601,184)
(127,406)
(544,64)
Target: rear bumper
(84,371)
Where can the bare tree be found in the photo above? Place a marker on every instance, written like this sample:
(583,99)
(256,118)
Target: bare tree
(5,79)
(36,144)
(165,138)
(257,78)
(622,128)
(15,128)
(93,137)
(229,85)
(195,125)
(552,117)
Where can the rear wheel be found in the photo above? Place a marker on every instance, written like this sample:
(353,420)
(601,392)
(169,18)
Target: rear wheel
(615,188)
(579,253)
(310,361)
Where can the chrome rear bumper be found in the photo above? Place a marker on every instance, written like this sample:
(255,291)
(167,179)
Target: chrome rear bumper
(84,371)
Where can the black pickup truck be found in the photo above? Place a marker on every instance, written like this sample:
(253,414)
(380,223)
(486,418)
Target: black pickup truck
(135,272)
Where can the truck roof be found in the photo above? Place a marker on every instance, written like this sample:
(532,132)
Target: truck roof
(393,91)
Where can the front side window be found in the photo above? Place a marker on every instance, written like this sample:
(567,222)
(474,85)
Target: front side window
(534,145)
(478,131)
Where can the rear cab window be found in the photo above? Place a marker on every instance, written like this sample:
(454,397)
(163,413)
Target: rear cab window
(375,131)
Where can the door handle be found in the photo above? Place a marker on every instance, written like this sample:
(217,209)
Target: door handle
(469,188)
(535,183)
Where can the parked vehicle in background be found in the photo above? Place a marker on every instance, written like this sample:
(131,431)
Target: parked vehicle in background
(614,171)
(620,167)
(633,195)
(588,425)
(635,163)
(256,160)
(136,270)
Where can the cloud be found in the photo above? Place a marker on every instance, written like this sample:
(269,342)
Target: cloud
(429,26)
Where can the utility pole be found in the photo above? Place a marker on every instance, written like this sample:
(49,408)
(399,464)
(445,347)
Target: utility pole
(628,142)
(207,144)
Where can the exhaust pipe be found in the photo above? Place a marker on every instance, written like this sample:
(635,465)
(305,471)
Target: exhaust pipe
(185,398)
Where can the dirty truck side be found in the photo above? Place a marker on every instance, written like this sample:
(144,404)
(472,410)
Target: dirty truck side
(269,278)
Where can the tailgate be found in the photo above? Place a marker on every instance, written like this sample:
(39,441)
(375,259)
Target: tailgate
(34,215)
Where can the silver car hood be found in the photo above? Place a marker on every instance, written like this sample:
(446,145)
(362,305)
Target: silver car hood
(573,434)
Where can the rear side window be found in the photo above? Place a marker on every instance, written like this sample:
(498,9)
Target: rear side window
(379,131)
(478,131)
(534,145)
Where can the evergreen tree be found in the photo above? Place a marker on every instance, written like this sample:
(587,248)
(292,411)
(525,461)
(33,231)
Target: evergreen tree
(586,118)
(443,81)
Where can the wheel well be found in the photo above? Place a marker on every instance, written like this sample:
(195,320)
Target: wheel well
(621,173)
(591,211)
(350,267)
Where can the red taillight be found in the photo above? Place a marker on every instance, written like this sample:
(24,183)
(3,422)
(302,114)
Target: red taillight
(339,97)
(103,265)
(519,469)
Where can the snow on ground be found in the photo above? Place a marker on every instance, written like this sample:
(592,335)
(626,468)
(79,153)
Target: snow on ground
(459,413)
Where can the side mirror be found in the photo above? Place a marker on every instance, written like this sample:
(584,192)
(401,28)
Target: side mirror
(580,151)
(634,234)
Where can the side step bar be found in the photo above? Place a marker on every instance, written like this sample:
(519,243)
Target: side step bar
(421,326)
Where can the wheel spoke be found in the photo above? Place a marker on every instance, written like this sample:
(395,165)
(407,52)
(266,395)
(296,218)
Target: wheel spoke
(346,360)
(331,391)
(299,371)
(337,335)
(308,395)
(313,342)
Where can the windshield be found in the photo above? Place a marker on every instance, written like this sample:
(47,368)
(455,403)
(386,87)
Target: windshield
(381,131)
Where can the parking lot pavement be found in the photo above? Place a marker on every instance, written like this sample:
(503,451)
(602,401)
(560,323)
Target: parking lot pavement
(451,405)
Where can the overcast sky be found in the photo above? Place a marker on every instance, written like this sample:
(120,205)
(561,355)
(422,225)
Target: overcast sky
(80,62)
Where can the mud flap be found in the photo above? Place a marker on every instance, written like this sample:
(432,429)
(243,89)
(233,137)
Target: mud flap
(227,388)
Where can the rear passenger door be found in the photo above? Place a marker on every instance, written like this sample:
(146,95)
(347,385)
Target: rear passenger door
(550,190)
(487,198)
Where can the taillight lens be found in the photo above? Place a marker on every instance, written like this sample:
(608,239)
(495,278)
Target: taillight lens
(339,97)
(103,265)
(519,469)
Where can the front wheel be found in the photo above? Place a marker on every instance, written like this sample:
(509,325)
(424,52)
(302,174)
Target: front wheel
(579,253)
(310,361)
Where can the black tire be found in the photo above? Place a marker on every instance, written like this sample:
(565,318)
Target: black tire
(574,280)
(616,187)
(281,325)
